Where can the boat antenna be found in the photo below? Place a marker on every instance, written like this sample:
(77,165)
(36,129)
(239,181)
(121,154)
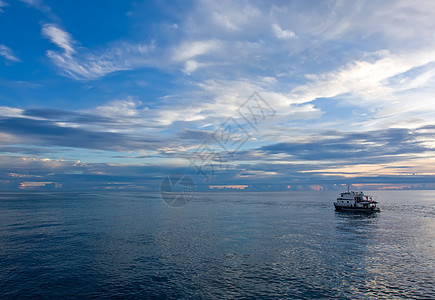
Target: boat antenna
(348,186)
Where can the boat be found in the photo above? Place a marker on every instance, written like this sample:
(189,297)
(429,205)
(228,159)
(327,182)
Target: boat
(355,201)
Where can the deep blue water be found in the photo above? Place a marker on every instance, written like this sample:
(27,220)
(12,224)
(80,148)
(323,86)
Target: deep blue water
(221,245)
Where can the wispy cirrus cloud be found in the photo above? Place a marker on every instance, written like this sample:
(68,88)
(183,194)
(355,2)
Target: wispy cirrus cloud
(59,37)
(8,54)
(80,63)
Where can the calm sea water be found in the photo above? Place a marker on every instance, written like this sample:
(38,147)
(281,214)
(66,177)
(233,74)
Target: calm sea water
(221,245)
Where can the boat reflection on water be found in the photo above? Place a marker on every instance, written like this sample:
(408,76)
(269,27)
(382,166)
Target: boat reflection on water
(356,222)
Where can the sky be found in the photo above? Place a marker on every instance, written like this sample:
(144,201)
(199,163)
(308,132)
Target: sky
(247,95)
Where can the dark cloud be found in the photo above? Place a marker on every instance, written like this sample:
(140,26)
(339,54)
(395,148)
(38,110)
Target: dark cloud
(369,147)
(48,133)
(26,150)
(195,135)
(67,116)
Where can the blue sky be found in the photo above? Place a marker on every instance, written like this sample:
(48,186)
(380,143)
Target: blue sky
(119,94)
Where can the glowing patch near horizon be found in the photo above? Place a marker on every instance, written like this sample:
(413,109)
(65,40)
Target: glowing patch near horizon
(317,187)
(39,184)
(233,186)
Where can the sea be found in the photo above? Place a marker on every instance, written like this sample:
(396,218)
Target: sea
(244,245)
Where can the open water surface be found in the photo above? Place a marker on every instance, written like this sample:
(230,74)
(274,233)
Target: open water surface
(221,245)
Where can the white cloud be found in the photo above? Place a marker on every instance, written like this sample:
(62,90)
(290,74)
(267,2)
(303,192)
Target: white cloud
(282,34)
(7,53)
(122,108)
(13,112)
(189,50)
(59,37)
(185,113)
(80,63)
(363,78)
(191,65)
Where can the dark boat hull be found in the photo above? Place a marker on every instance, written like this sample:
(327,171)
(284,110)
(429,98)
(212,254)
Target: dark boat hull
(356,209)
